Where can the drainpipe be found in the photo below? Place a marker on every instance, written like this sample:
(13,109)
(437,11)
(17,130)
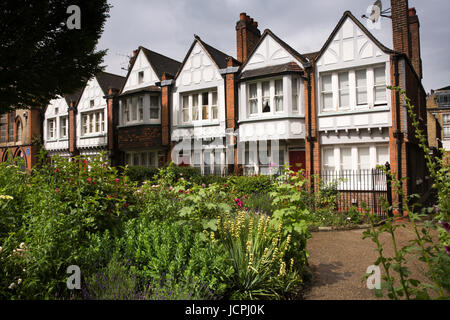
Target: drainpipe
(398,134)
(310,139)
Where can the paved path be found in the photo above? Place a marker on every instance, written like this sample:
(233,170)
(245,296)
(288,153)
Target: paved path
(339,260)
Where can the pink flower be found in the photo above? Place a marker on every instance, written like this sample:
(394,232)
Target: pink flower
(56,170)
(180,191)
(117,180)
(245,197)
(170,188)
(187,191)
(203,185)
(93,182)
(181,174)
(56,190)
(89,179)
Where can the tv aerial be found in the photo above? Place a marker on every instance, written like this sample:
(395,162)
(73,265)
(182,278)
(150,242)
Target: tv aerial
(125,62)
(377,12)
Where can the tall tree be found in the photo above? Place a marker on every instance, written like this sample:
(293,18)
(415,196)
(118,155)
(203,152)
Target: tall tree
(48,48)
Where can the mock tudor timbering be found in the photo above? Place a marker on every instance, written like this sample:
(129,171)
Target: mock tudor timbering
(326,110)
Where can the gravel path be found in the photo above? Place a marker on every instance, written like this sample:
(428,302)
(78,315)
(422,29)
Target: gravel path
(339,260)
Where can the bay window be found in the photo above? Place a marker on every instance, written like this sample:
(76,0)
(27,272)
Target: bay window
(353,89)
(199,106)
(92,122)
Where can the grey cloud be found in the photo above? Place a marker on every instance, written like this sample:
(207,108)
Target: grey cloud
(168,27)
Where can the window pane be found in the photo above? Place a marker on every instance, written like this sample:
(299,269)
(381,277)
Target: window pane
(364,158)
(327,101)
(215,114)
(195,107)
(143,159)
(382,155)
(141,108)
(361,87)
(328,159)
(135,159)
(294,95)
(380,78)
(253,98)
(185,109)
(279,95)
(266,96)
(134,110)
(380,94)
(346,159)
(344,97)
(205,106)
(154,107)
(326,83)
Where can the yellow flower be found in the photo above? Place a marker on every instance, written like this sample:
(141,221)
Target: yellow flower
(282,269)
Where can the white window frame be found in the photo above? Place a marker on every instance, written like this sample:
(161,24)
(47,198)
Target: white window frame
(295,94)
(188,110)
(51,129)
(94,122)
(446,126)
(382,85)
(150,108)
(279,96)
(130,157)
(343,91)
(324,92)
(63,124)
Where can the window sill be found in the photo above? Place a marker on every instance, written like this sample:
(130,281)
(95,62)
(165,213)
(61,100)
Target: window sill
(274,117)
(199,124)
(93,136)
(355,111)
(137,124)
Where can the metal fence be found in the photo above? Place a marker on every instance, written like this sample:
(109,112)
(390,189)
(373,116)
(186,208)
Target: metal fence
(363,189)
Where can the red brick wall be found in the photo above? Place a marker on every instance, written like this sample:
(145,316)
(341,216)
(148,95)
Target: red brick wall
(247,36)
(400,26)
(138,137)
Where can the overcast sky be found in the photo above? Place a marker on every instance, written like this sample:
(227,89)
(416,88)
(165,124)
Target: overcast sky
(168,27)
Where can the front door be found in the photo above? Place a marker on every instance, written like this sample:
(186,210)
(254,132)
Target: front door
(297,160)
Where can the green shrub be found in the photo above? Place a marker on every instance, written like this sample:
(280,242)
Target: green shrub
(141,174)
(259,256)
(165,254)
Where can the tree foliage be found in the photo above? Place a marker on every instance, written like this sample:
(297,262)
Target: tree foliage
(40,56)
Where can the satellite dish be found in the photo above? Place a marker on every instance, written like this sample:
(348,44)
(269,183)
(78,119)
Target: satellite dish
(377,9)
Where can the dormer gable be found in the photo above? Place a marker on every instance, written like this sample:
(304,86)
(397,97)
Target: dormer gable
(202,64)
(272,51)
(349,45)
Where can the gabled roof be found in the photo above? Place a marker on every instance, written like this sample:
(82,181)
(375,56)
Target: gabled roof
(217,56)
(108,80)
(290,67)
(348,14)
(73,97)
(444,89)
(301,58)
(161,64)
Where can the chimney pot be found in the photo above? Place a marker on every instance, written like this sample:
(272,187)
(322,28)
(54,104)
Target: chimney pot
(243,16)
(412,12)
(255,24)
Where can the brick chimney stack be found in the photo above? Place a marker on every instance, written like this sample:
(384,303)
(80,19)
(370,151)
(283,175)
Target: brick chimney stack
(132,58)
(405,29)
(414,29)
(247,36)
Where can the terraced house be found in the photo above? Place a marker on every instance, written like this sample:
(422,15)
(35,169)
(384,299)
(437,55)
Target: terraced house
(326,111)
(143,114)
(79,124)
